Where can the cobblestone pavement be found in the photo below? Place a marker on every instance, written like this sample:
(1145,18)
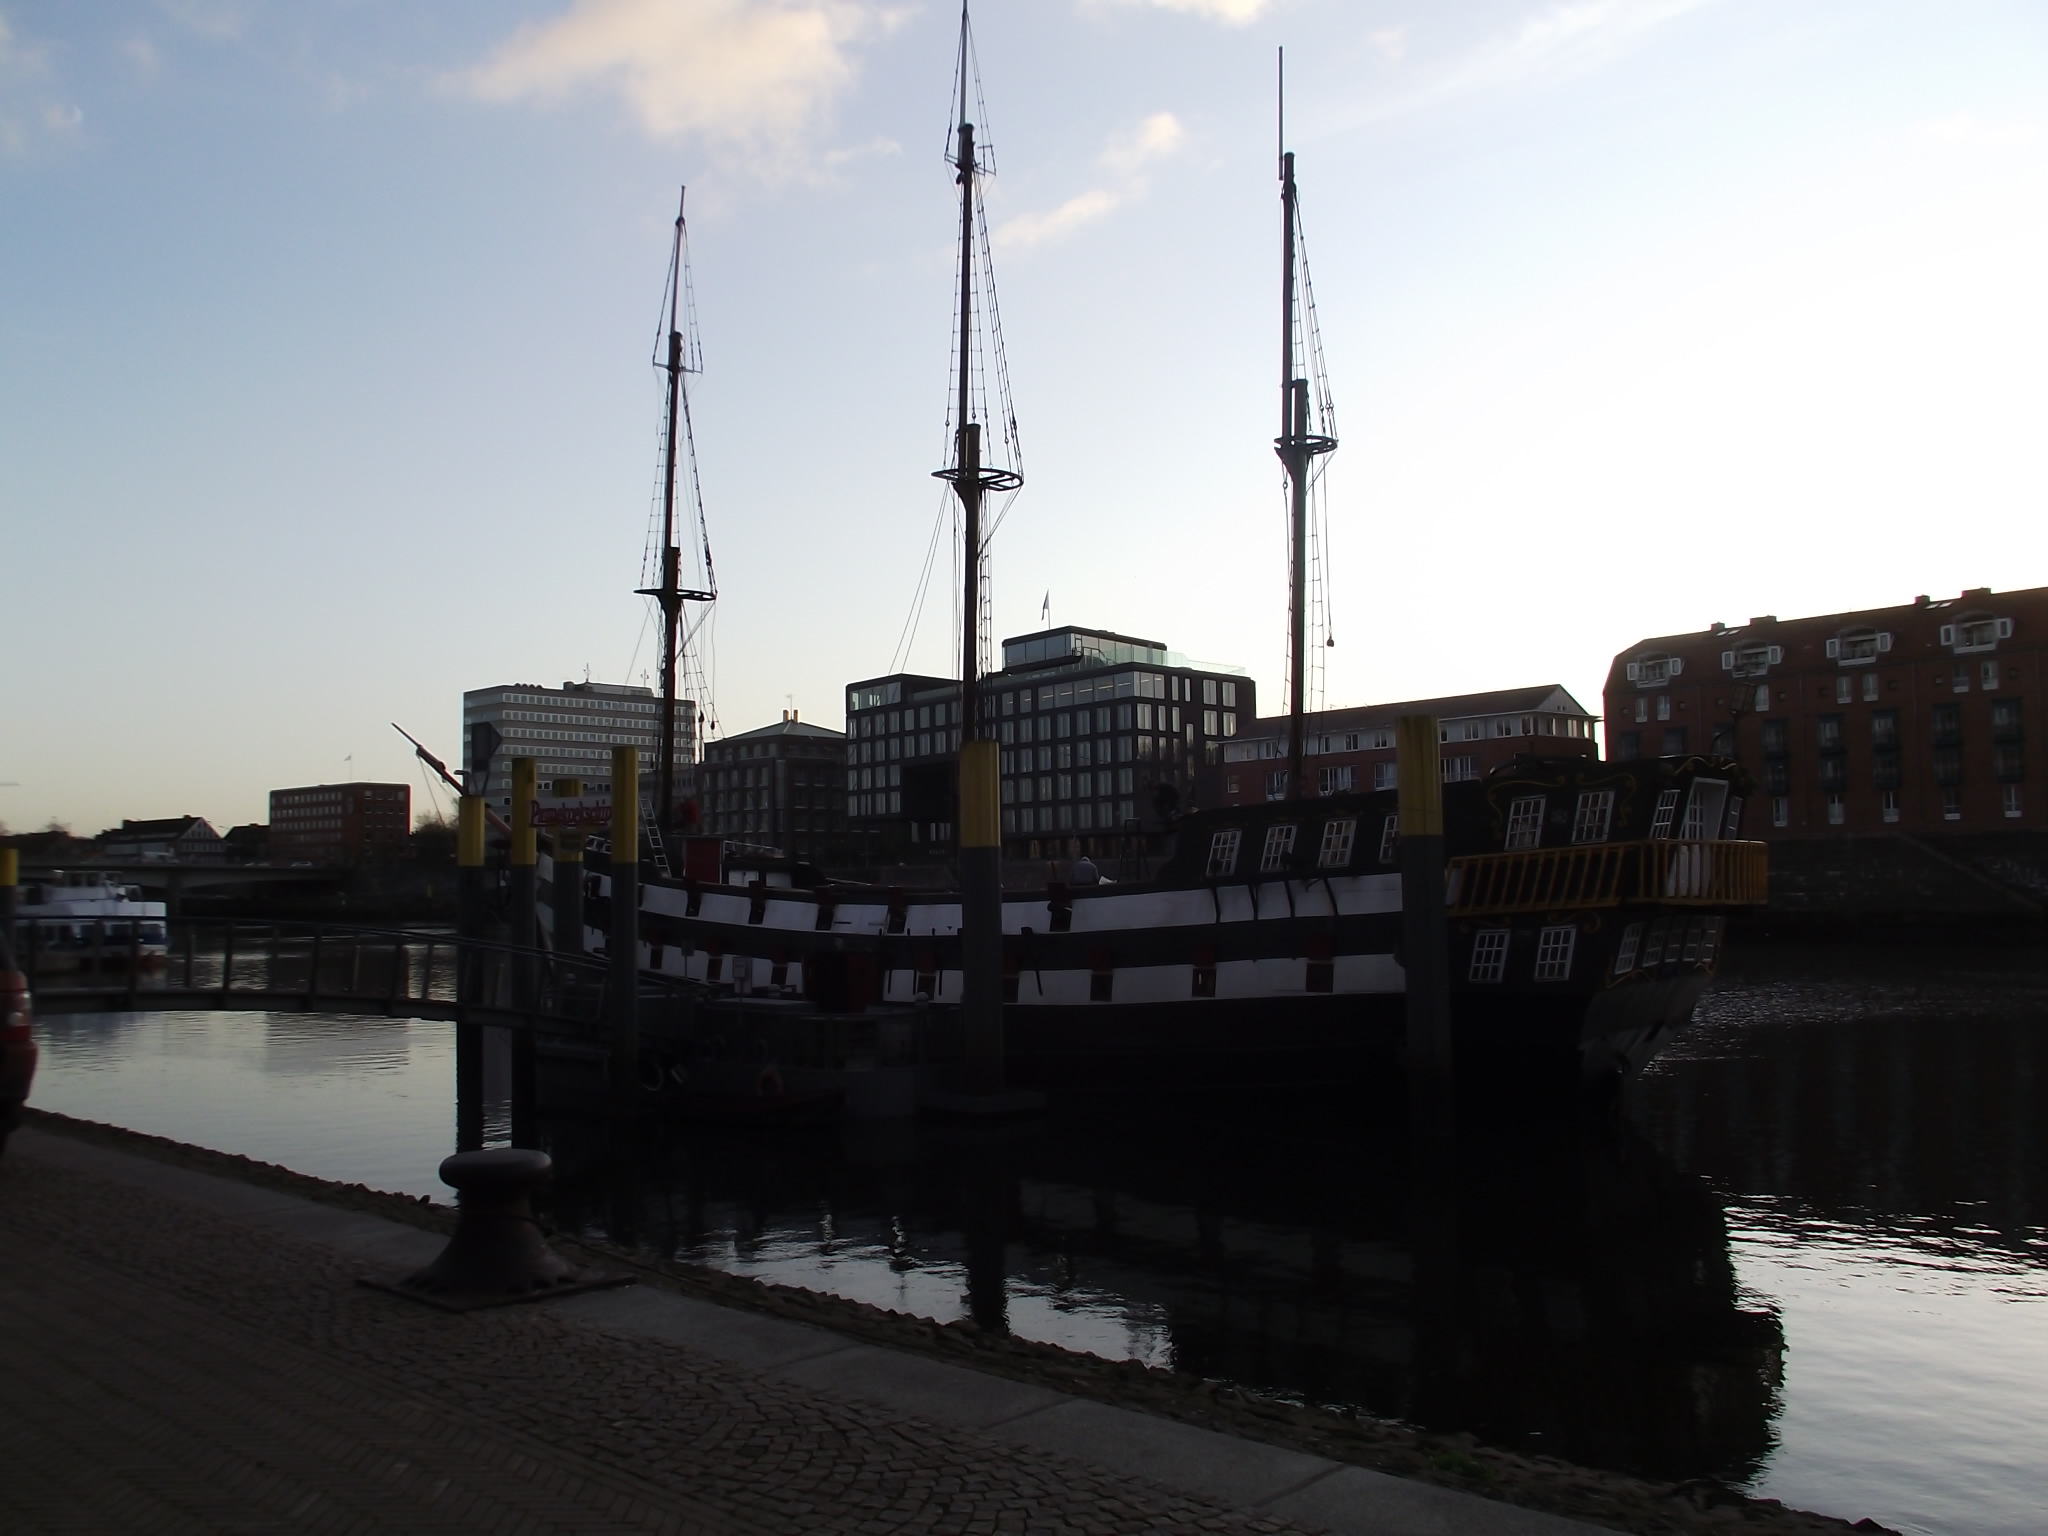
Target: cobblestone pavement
(166,1369)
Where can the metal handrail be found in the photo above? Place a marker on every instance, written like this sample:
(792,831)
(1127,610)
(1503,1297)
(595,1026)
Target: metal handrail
(1711,873)
(302,964)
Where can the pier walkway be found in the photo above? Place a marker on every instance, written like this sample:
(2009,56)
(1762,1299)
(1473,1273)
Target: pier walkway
(186,1352)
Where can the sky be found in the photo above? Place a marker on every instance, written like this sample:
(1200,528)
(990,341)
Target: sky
(325,331)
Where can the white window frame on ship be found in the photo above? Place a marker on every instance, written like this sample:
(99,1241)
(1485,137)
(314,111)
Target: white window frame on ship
(1278,850)
(1525,822)
(1554,947)
(1339,836)
(1666,812)
(1489,956)
(1631,945)
(1705,806)
(1390,838)
(1593,818)
(1223,851)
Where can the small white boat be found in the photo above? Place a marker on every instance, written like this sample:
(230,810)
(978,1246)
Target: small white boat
(82,920)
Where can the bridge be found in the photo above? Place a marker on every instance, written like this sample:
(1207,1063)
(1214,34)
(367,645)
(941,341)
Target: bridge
(229,964)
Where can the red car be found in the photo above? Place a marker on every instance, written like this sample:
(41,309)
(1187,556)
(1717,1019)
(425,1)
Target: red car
(17,1045)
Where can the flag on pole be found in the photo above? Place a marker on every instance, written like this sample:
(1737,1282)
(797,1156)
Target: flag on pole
(1045,612)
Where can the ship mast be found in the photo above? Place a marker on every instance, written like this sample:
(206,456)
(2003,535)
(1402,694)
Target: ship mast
(973,474)
(670,594)
(1299,444)
(981,465)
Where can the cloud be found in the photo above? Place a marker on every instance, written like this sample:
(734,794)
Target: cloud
(1233,13)
(1554,43)
(1125,156)
(29,112)
(750,75)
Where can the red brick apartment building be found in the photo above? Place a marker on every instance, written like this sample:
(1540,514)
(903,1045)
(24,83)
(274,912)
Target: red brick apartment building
(340,823)
(1893,720)
(1353,749)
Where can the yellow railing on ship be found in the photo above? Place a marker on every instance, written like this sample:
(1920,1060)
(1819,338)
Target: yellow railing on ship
(1662,873)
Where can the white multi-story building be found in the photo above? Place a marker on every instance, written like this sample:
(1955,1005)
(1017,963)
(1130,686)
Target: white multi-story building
(571,731)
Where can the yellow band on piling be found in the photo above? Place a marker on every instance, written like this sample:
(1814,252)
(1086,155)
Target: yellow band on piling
(525,851)
(469,832)
(981,823)
(625,805)
(1419,754)
(10,866)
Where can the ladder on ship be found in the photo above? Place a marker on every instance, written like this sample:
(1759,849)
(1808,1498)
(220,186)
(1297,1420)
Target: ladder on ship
(650,833)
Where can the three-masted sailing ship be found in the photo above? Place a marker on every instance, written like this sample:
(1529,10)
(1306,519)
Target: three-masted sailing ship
(1587,900)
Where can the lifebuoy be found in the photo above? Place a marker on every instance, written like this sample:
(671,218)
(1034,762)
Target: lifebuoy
(769,1084)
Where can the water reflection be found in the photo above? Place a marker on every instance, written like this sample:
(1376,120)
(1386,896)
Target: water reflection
(1557,1291)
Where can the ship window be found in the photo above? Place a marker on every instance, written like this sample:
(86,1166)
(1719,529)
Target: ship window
(1554,952)
(1594,816)
(1223,851)
(1631,941)
(1704,808)
(1390,838)
(1667,809)
(1525,822)
(1338,837)
(1489,955)
(1278,850)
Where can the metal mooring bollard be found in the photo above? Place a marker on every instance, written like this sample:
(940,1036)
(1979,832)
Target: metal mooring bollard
(497,1255)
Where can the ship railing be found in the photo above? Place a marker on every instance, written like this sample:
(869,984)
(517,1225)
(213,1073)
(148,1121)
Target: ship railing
(1711,873)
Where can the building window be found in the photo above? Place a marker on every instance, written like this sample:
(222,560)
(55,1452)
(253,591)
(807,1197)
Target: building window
(1594,816)
(1554,948)
(1869,686)
(1834,772)
(1525,822)
(1948,724)
(1663,706)
(1489,954)
(1230,783)
(1386,775)
(1951,803)
(1891,805)
(1276,784)
(1390,838)
(1458,769)
(1884,769)
(2008,761)
(1337,781)
(1674,741)
(1836,811)
(1845,689)
(1667,810)
(2005,719)
(1631,943)
(1629,746)
(1781,811)
(1642,711)
(1948,765)
(1337,839)
(1209,693)
(1223,852)
(2010,794)
(1278,850)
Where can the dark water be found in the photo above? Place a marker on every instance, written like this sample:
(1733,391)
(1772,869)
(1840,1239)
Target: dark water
(1812,1261)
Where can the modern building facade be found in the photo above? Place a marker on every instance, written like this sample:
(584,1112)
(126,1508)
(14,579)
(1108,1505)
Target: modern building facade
(781,787)
(1101,736)
(1353,749)
(1912,719)
(340,823)
(572,729)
